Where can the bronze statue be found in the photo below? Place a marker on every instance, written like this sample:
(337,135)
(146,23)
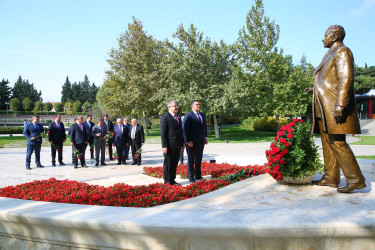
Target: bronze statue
(335,113)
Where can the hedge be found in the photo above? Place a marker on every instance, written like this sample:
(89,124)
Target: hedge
(14,130)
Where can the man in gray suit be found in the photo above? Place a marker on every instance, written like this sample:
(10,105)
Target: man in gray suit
(99,132)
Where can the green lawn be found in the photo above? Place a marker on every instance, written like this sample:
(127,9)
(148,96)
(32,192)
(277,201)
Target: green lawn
(368,157)
(365,140)
(20,142)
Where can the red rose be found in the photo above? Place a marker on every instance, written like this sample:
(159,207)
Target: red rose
(284,152)
(286,144)
(282,140)
(282,161)
(290,130)
(278,157)
(290,136)
(280,133)
(48,132)
(272,145)
(276,138)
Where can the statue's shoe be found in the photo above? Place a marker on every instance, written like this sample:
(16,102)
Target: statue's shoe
(324,182)
(350,187)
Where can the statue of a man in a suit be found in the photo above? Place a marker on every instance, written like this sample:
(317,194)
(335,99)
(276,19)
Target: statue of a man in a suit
(335,112)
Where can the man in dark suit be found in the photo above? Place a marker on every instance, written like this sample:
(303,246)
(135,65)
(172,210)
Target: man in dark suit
(121,139)
(110,127)
(125,150)
(32,131)
(79,140)
(56,138)
(195,135)
(172,141)
(99,133)
(89,125)
(70,133)
(137,140)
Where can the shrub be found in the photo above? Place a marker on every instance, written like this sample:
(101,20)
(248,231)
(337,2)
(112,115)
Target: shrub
(59,107)
(48,106)
(27,104)
(250,121)
(15,104)
(268,124)
(14,130)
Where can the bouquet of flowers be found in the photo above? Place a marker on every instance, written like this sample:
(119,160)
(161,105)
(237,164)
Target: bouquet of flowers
(92,147)
(108,140)
(115,155)
(58,148)
(77,154)
(138,153)
(293,153)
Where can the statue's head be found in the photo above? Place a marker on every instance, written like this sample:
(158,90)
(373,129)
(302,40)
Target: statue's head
(334,33)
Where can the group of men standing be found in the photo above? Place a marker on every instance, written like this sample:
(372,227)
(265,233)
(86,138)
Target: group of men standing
(176,135)
(84,134)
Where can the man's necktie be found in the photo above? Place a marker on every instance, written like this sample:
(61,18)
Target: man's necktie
(199,118)
(175,117)
(80,126)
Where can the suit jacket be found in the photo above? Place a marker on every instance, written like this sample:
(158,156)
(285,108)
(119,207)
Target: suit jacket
(334,85)
(195,130)
(139,135)
(78,136)
(89,130)
(56,134)
(121,138)
(96,130)
(31,130)
(110,125)
(171,132)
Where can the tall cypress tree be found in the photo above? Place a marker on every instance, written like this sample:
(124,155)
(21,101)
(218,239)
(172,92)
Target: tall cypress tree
(92,93)
(66,92)
(23,88)
(85,90)
(5,92)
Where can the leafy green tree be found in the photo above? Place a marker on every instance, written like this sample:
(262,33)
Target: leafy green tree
(86,107)
(38,106)
(198,69)
(76,91)
(66,92)
(5,92)
(85,90)
(364,79)
(68,106)
(134,74)
(92,93)
(27,104)
(77,107)
(59,107)
(48,106)
(23,89)
(15,104)
(261,67)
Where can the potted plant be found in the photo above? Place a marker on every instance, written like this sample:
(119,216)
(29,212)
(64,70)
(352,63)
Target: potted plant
(293,157)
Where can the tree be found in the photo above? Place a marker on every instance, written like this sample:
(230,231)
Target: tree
(364,79)
(92,93)
(261,67)
(69,107)
(198,69)
(86,107)
(77,107)
(27,104)
(76,91)
(48,106)
(23,89)
(38,106)
(85,90)
(5,92)
(15,104)
(59,107)
(66,92)
(134,74)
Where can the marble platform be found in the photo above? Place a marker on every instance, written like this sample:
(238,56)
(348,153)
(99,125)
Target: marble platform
(256,213)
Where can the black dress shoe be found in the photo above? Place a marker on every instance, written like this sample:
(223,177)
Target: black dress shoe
(75,166)
(92,158)
(118,163)
(134,163)
(176,183)
(103,164)
(28,167)
(192,181)
(96,164)
(350,187)
(125,163)
(62,164)
(111,159)
(84,166)
(198,178)
(40,166)
(53,164)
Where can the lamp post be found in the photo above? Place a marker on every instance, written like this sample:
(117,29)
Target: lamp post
(7,103)
(83,107)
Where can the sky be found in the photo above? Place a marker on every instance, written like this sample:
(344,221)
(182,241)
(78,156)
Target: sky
(46,41)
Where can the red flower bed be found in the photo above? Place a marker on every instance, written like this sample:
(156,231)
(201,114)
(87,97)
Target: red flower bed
(213,169)
(65,191)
